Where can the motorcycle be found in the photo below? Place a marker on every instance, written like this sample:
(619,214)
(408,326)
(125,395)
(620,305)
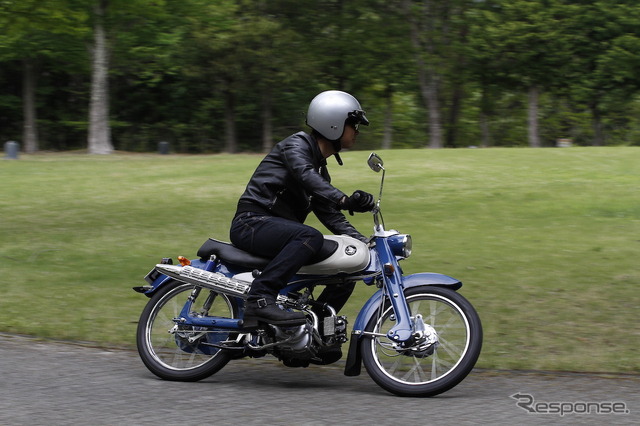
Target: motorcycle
(416,335)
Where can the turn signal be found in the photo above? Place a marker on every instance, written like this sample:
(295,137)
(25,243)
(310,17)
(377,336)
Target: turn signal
(388,269)
(184,261)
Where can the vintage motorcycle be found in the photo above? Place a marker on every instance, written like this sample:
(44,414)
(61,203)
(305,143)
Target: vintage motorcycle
(416,336)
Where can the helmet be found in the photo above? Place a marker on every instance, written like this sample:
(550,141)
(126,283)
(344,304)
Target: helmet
(329,110)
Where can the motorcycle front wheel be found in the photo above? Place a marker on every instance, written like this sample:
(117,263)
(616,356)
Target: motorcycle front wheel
(174,351)
(430,366)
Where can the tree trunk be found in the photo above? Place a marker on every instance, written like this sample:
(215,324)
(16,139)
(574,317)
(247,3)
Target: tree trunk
(454,114)
(231,142)
(532,122)
(485,116)
(485,131)
(428,81)
(99,129)
(598,128)
(387,136)
(267,126)
(30,127)
(428,78)
(430,92)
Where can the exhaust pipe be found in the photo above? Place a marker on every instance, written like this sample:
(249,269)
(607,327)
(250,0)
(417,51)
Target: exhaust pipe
(210,280)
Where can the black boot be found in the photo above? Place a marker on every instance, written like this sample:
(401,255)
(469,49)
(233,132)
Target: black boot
(264,309)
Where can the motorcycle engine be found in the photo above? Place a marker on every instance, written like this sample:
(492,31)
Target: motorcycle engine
(299,345)
(300,342)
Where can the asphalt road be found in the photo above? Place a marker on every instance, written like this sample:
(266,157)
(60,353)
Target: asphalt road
(52,383)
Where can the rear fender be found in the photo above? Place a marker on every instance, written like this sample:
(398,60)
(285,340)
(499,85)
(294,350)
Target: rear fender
(158,282)
(354,358)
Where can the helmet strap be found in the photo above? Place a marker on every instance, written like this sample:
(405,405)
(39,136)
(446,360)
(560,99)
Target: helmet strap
(337,146)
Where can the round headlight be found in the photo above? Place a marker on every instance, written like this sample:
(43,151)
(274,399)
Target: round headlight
(400,245)
(408,245)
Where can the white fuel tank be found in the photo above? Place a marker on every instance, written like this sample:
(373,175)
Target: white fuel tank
(351,256)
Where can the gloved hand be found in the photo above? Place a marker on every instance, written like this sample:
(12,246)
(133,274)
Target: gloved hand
(359,201)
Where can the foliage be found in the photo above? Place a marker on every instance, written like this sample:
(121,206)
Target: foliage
(237,75)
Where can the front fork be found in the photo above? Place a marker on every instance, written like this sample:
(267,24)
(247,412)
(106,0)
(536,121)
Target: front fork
(403,332)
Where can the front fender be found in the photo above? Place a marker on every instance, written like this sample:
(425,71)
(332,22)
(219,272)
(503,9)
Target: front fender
(352,367)
(431,278)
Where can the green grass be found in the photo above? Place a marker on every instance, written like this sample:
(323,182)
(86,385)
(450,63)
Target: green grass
(546,241)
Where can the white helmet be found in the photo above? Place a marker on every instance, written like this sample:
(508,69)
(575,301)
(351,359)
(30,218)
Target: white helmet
(329,111)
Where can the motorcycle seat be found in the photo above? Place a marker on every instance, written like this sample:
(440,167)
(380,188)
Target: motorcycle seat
(236,256)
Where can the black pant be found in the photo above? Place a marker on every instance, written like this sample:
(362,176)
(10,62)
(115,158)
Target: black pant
(290,245)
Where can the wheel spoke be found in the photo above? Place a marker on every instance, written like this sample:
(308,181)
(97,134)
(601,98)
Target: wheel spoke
(416,370)
(450,348)
(396,365)
(434,367)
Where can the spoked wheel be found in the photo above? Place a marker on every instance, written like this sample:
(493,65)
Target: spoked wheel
(174,351)
(436,362)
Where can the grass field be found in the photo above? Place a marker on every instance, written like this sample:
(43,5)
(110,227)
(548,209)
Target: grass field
(546,241)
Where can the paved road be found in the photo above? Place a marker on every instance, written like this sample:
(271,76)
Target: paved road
(49,383)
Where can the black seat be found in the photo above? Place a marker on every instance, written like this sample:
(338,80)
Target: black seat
(235,256)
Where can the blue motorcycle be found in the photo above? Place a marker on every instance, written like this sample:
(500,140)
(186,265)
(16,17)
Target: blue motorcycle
(416,335)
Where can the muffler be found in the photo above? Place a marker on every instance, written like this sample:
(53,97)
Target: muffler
(210,280)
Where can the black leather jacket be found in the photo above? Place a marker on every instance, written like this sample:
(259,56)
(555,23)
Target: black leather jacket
(291,181)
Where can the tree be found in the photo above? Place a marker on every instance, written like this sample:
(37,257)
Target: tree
(526,42)
(33,32)
(272,58)
(99,138)
(427,32)
(237,75)
(375,51)
(606,42)
(118,22)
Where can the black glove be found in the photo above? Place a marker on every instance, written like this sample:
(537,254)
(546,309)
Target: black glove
(359,202)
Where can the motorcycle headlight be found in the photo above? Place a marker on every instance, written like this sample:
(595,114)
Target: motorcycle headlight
(400,245)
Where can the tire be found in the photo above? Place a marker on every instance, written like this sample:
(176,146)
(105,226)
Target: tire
(163,343)
(425,370)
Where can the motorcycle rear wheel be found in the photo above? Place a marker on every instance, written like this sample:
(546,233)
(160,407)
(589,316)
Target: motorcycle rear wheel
(177,352)
(429,371)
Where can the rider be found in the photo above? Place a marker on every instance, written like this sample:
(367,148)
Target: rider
(291,181)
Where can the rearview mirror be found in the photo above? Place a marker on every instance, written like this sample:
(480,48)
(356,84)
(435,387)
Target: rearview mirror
(375,162)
